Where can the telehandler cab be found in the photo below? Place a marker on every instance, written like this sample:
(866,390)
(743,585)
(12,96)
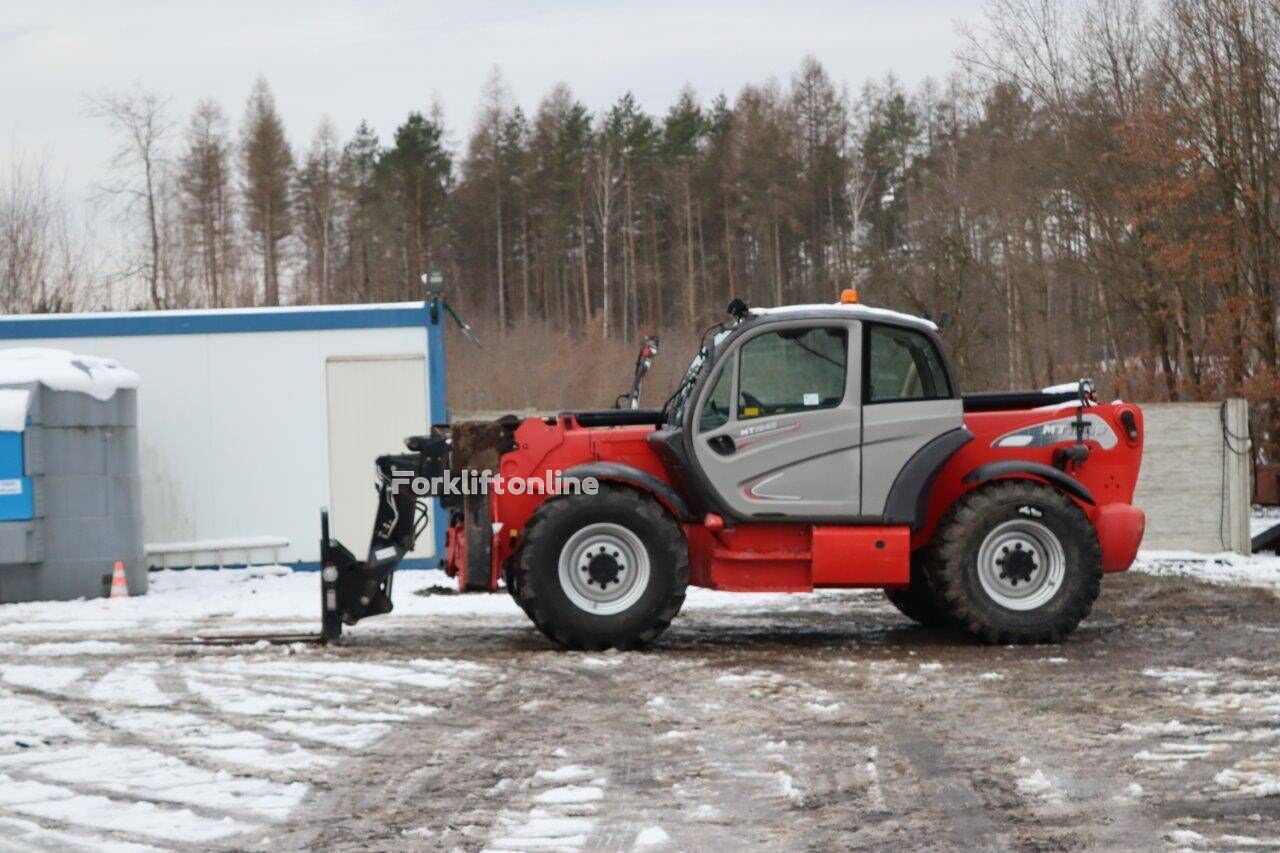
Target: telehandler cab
(807,447)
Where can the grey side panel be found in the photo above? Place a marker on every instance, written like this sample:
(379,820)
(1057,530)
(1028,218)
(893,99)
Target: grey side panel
(21,542)
(1061,479)
(892,434)
(33,451)
(615,472)
(908,501)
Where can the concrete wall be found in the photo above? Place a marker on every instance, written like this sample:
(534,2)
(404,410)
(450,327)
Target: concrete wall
(1194,485)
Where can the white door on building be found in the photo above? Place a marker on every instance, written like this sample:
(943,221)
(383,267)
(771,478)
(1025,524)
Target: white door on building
(373,403)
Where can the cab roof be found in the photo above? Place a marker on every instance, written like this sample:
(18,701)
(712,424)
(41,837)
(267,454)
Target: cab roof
(838,309)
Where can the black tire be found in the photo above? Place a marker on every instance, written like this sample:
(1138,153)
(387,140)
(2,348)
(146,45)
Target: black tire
(918,602)
(536,569)
(988,512)
(512,582)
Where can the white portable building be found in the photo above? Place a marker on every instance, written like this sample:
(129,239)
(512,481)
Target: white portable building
(251,420)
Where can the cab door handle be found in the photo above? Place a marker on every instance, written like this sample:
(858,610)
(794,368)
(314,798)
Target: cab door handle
(722,444)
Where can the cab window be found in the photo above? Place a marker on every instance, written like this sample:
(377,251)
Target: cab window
(792,370)
(715,411)
(903,365)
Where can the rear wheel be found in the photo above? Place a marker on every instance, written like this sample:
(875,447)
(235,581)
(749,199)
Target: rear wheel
(600,571)
(1016,562)
(918,602)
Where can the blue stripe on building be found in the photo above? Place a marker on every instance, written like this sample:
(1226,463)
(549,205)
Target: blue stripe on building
(210,322)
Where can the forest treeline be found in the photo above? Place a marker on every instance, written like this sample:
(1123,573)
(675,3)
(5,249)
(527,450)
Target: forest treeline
(1095,190)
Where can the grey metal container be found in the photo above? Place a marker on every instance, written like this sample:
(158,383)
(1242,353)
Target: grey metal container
(81,455)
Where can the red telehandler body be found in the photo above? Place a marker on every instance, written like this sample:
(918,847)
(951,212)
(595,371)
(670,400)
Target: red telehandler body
(807,447)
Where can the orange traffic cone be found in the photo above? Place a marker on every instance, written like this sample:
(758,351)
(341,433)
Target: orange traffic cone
(119,585)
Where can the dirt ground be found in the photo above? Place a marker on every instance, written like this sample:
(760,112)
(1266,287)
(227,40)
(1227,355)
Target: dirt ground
(830,725)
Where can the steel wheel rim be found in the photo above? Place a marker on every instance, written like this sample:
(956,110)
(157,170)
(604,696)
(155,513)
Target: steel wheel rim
(1021,564)
(604,568)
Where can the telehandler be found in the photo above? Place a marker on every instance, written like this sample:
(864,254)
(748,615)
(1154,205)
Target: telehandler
(807,447)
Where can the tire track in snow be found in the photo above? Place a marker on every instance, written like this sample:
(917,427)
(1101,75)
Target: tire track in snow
(134,754)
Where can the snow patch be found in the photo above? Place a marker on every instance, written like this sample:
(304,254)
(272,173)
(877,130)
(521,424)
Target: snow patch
(1176,675)
(141,772)
(27,722)
(652,836)
(59,650)
(570,794)
(65,371)
(41,838)
(63,804)
(1227,568)
(1256,776)
(13,409)
(48,679)
(131,684)
(787,786)
(1176,755)
(568,773)
(344,735)
(216,741)
(1173,728)
(874,792)
(1037,784)
(819,708)
(598,662)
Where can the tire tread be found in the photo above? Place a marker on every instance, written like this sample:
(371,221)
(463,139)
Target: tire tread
(947,572)
(537,534)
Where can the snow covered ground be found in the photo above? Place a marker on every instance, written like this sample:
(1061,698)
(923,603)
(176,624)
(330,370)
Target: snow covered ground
(1258,570)
(113,739)
(107,733)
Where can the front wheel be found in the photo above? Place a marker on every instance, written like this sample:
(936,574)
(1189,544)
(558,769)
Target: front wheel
(604,570)
(919,602)
(1017,562)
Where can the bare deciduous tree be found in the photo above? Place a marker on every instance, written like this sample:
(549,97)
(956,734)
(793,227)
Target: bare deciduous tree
(141,119)
(604,179)
(44,265)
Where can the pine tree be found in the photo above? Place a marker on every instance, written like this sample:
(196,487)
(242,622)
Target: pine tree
(419,175)
(320,205)
(267,166)
(205,182)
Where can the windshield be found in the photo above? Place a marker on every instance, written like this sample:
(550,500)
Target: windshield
(680,398)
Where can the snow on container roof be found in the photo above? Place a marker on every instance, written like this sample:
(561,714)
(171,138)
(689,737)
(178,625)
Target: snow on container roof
(14,403)
(64,371)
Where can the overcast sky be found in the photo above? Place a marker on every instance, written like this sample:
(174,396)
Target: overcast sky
(378,60)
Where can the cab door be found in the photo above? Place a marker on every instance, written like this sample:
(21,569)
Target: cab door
(777,431)
(909,400)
